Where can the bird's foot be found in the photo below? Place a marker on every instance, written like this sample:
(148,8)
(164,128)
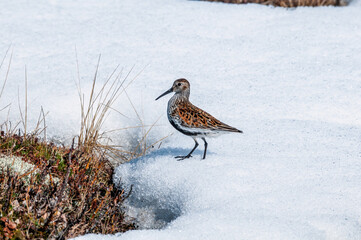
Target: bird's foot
(180,158)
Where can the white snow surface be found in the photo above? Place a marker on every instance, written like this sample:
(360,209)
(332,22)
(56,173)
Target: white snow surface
(289,78)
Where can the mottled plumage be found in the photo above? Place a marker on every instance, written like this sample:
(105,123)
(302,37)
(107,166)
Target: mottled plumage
(191,116)
(191,120)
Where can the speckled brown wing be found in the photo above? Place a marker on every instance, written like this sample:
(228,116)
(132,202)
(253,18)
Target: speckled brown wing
(194,117)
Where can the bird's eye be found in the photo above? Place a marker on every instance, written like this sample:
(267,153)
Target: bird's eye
(179,84)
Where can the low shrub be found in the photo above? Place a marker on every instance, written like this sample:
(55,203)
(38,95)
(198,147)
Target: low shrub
(66,193)
(288,3)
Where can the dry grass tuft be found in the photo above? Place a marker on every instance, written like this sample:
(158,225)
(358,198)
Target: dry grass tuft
(94,110)
(288,3)
(7,74)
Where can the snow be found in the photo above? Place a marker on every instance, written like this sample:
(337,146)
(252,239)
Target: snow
(289,78)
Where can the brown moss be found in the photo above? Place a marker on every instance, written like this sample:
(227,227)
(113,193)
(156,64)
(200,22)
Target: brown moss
(84,200)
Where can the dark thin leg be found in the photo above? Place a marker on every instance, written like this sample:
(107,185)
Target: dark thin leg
(189,154)
(205,147)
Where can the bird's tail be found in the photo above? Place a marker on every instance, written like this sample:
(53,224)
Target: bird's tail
(227,128)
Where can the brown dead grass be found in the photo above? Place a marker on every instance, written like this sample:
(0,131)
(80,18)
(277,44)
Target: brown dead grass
(288,3)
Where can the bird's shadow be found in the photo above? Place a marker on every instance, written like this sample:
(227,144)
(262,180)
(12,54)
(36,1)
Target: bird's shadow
(172,153)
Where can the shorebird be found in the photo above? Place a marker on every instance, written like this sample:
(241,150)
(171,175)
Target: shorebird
(191,120)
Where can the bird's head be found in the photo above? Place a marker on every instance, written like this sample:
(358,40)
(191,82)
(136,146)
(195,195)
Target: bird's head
(180,86)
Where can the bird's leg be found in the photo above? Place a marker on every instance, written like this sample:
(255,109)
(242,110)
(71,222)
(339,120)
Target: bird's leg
(205,147)
(189,154)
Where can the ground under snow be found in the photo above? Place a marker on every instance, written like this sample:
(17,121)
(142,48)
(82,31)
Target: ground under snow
(289,78)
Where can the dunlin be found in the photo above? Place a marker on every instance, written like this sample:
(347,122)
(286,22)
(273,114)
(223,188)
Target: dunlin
(191,120)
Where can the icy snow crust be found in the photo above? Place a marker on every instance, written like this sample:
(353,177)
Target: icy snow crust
(289,78)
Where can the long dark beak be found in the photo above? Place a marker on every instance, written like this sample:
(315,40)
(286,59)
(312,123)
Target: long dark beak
(165,93)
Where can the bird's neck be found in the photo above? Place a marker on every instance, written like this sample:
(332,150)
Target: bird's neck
(181,97)
(177,99)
